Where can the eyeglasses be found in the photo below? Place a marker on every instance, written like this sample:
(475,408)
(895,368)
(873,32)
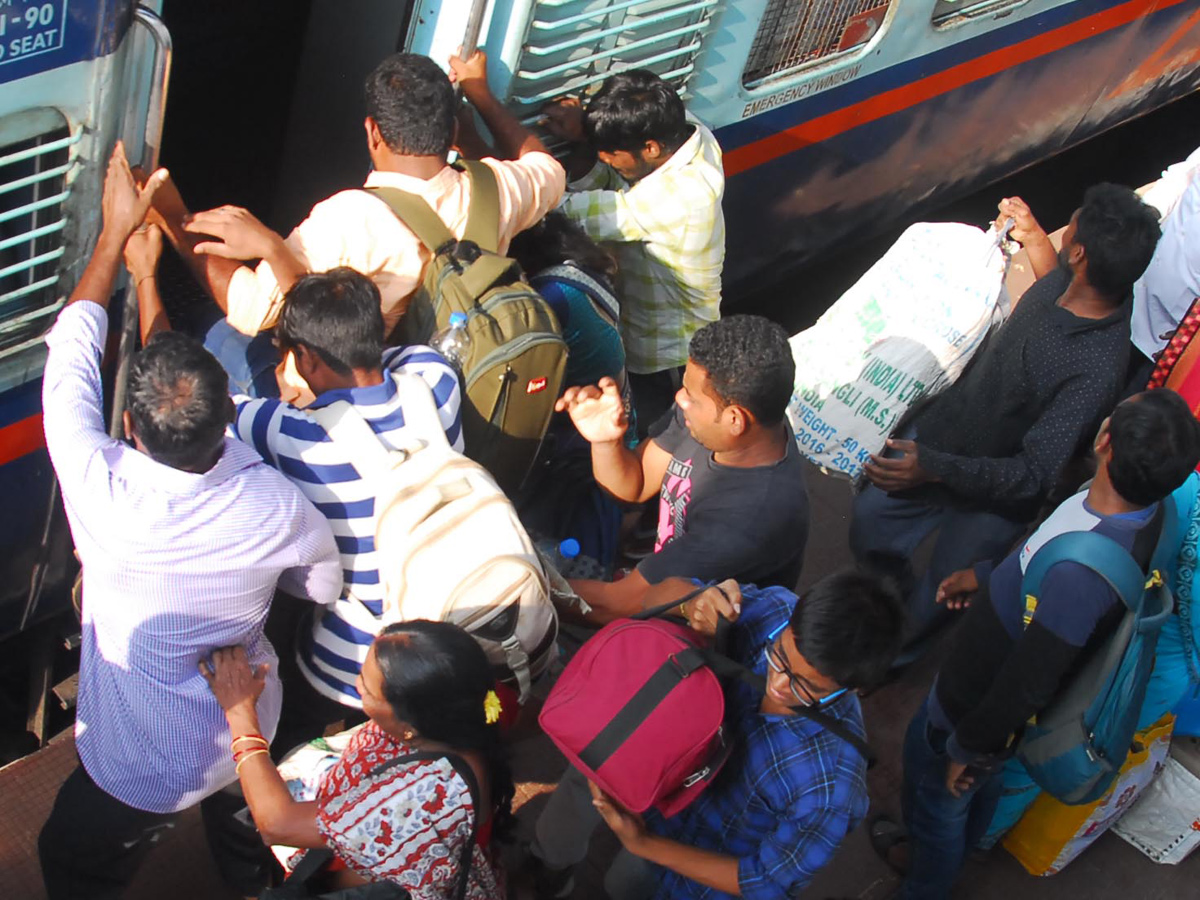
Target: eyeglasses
(799,687)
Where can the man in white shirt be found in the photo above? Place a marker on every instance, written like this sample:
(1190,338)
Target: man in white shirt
(183,537)
(1171,283)
(410,128)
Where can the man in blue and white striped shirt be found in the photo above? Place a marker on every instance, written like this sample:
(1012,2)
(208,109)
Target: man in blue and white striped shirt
(332,327)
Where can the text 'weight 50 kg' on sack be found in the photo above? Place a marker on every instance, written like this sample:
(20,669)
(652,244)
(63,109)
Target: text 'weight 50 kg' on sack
(904,331)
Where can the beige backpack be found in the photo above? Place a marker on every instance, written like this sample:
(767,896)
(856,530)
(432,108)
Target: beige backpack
(449,544)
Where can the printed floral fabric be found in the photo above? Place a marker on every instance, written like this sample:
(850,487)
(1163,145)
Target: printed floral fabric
(406,824)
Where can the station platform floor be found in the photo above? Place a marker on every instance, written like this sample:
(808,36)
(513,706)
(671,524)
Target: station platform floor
(180,869)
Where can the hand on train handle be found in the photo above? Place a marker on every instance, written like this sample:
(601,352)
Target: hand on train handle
(232,680)
(897,473)
(564,119)
(721,601)
(142,251)
(125,204)
(629,827)
(958,589)
(597,411)
(1025,227)
(242,236)
(470,74)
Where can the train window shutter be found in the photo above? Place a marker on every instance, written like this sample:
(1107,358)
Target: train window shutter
(571,46)
(794,35)
(38,153)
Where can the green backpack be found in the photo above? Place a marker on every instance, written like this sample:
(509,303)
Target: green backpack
(514,369)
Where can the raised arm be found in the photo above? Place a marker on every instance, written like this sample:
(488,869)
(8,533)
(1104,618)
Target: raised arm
(142,252)
(513,140)
(599,415)
(1029,234)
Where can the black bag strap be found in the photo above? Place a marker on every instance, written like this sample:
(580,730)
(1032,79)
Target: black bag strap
(315,860)
(725,667)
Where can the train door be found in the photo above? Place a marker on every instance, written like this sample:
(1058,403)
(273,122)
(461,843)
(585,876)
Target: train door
(74,77)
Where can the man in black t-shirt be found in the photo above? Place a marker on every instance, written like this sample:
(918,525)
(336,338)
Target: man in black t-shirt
(723,461)
(977,462)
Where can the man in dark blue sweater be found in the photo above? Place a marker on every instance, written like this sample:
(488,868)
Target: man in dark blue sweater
(1003,669)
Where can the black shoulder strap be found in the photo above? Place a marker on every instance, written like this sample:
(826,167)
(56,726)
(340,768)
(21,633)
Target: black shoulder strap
(725,667)
(315,860)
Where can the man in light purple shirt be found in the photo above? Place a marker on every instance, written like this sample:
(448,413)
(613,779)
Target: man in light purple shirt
(183,537)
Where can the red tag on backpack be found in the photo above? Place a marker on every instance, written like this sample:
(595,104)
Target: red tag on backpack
(535,385)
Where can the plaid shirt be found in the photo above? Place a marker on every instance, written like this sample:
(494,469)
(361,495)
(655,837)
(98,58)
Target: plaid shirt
(791,790)
(669,236)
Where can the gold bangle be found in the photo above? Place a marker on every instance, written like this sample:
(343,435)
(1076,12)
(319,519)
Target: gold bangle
(144,278)
(683,611)
(237,770)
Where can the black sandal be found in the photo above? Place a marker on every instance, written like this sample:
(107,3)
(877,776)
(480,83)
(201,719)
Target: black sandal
(885,834)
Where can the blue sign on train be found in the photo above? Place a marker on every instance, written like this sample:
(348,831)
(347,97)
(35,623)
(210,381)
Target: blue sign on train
(38,35)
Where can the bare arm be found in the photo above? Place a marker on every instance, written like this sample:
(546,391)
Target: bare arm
(714,870)
(599,415)
(1026,231)
(142,252)
(513,140)
(279,818)
(241,236)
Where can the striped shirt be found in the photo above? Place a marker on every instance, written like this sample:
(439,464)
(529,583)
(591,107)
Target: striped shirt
(332,652)
(175,565)
(668,234)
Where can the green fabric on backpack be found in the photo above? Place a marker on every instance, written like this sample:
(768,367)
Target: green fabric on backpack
(514,368)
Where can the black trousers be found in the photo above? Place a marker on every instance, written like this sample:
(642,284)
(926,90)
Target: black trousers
(93,844)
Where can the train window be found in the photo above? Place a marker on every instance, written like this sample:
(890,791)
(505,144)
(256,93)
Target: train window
(948,13)
(36,155)
(573,45)
(796,34)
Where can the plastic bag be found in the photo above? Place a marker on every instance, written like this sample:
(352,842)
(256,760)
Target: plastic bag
(1165,822)
(905,330)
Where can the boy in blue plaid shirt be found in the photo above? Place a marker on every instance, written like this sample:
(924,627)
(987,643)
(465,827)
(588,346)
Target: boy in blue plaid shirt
(792,789)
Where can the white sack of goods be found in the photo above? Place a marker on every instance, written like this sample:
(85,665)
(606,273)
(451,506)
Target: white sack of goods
(905,330)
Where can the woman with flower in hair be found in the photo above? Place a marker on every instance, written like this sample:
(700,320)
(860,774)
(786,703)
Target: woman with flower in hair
(410,797)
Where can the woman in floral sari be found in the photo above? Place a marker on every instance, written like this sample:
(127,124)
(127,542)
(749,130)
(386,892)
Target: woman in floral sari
(416,791)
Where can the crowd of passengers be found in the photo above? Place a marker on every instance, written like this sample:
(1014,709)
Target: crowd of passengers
(227,497)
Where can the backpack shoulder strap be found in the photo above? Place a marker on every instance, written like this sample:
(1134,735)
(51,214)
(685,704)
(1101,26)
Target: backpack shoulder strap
(417,215)
(349,430)
(483,210)
(419,409)
(585,284)
(1101,554)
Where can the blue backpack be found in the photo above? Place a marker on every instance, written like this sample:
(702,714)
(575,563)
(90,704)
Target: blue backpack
(1075,747)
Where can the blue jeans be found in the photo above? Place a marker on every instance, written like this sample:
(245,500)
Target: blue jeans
(941,827)
(249,361)
(890,527)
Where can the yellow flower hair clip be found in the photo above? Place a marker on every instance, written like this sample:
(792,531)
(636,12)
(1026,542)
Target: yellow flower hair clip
(492,708)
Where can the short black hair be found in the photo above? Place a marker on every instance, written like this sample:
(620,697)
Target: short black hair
(1118,233)
(1155,445)
(849,627)
(337,315)
(750,364)
(634,107)
(178,399)
(412,103)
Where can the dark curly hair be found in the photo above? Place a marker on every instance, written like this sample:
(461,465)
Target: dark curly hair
(179,401)
(749,364)
(435,676)
(412,103)
(1118,232)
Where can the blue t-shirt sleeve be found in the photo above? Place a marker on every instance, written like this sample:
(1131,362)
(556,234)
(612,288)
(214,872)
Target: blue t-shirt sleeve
(1072,601)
